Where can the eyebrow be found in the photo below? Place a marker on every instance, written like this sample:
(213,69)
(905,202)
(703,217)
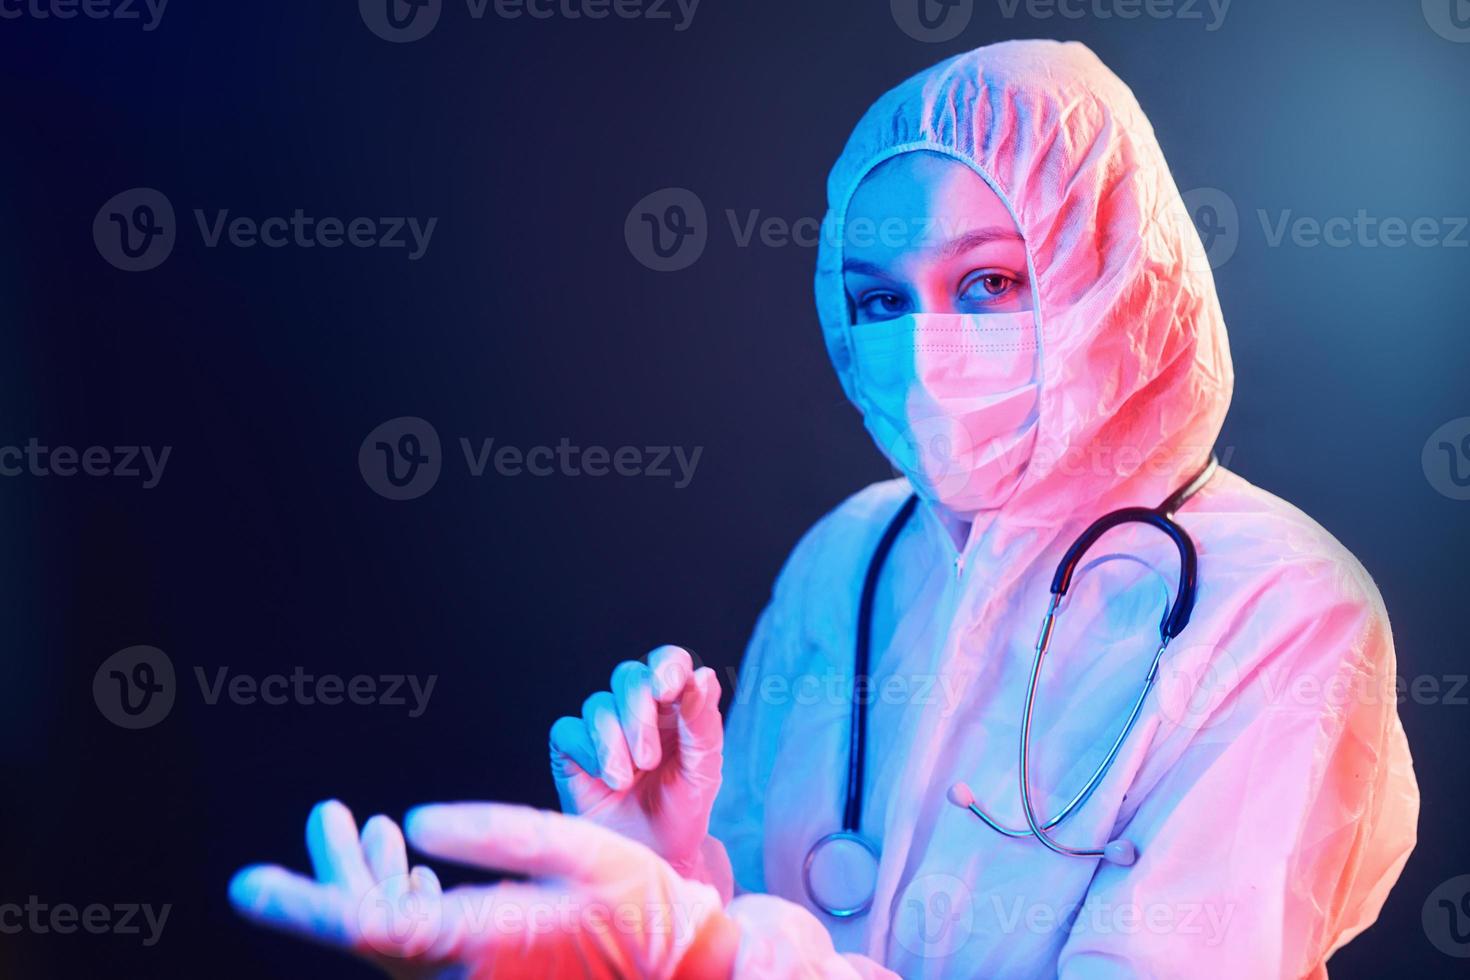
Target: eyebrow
(948,250)
(976,238)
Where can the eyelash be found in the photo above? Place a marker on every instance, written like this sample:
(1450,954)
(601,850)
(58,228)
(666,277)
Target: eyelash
(867,302)
(979,279)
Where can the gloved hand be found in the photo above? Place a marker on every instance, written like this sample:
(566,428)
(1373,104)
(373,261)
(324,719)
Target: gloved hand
(599,905)
(644,759)
(363,900)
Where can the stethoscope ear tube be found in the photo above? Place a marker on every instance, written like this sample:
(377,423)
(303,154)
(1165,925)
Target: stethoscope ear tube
(1177,617)
(1119,852)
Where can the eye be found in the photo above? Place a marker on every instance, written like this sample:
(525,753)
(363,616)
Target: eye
(988,286)
(881,305)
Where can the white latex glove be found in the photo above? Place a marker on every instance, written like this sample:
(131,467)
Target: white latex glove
(363,899)
(598,905)
(644,759)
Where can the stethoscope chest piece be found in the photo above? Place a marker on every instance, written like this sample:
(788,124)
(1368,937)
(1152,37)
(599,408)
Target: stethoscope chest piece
(841,874)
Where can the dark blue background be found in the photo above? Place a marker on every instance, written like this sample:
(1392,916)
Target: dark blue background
(528,320)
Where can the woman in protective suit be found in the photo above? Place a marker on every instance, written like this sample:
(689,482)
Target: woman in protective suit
(1015,299)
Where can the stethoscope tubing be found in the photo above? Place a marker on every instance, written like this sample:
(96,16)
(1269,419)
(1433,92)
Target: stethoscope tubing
(852,816)
(1174,621)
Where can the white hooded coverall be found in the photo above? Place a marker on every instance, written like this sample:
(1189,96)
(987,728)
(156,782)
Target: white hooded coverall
(1267,785)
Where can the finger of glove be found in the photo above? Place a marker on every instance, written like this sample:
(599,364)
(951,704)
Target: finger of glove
(632,690)
(385,851)
(423,881)
(336,850)
(505,837)
(614,759)
(671,667)
(280,899)
(701,730)
(574,767)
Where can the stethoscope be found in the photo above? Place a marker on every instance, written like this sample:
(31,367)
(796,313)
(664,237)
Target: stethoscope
(841,869)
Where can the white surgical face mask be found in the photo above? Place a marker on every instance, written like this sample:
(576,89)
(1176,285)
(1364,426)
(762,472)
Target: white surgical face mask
(951,400)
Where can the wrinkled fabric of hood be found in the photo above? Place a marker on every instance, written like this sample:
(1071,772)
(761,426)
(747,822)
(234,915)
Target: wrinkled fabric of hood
(1135,367)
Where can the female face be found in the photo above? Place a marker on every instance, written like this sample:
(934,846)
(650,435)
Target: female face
(926,234)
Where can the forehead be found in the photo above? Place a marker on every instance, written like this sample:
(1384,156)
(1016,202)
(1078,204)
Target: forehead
(937,198)
(924,184)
